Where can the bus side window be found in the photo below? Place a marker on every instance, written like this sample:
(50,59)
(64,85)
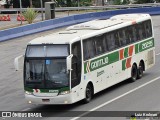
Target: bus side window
(127,35)
(105,44)
(141,31)
(99,45)
(148,28)
(130,34)
(122,39)
(85,50)
(134,37)
(76,64)
(136,30)
(88,48)
(111,42)
(116,37)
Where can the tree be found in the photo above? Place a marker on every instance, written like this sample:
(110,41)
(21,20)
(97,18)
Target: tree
(30,15)
(117,2)
(125,2)
(25,3)
(69,3)
(144,1)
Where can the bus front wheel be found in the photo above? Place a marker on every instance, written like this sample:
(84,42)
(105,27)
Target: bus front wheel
(134,73)
(88,94)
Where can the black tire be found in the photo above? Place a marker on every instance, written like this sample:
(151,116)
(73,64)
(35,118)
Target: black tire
(89,94)
(134,73)
(140,71)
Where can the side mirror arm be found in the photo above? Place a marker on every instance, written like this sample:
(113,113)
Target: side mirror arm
(69,62)
(16,62)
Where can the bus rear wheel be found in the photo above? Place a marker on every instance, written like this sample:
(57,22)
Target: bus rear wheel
(140,70)
(134,73)
(89,94)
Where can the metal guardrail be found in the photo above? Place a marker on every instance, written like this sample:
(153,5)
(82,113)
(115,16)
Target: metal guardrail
(57,9)
(70,20)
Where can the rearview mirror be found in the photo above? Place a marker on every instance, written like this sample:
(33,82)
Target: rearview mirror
(69,62)
(16,62)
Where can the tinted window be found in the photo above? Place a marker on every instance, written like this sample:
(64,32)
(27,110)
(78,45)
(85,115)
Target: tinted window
(136,33)
(122,38)
(100,44)
(76,64)
(148,28)
(141,31)
(88,48)
(112,40)
(129,34)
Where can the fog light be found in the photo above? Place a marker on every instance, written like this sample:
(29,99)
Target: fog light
(28,93)
(64,92)
(29,102)
(65,102)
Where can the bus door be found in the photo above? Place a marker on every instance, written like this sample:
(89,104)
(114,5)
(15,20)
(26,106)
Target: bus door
(76,68)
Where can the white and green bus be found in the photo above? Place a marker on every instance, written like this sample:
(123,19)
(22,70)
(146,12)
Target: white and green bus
(75,64)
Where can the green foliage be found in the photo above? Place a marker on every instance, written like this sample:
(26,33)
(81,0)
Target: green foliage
(30,15)
(144,1)
(74,3)
(117,2)
(85,2)
(125,2)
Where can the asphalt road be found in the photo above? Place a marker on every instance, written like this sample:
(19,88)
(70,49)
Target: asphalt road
(142,95)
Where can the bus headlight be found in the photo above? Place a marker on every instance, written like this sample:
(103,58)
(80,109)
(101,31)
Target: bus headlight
(64,92)
(28,93)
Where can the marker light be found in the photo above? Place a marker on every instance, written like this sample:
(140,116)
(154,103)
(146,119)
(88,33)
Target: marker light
(65,102)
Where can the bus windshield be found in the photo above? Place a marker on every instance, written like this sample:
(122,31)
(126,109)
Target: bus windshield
(45,67)
(46,74)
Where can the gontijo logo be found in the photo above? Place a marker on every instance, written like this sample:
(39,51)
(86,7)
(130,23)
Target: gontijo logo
(99,63)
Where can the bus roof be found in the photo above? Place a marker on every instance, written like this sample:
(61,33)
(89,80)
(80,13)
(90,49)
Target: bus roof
(91,28)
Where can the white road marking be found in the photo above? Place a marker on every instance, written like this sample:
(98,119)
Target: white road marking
(112,100)
(26,109)
(158,54)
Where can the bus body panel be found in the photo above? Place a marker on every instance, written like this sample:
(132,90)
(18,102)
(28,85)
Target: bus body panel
(102,70)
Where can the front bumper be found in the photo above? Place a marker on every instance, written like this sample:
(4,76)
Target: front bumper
(60,99)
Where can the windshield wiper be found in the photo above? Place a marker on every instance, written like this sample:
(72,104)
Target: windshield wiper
(34,81)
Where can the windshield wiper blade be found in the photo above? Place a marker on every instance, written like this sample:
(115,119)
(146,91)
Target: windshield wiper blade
(33,81)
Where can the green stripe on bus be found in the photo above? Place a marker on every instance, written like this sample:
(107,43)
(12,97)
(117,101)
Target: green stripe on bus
(85,67)
(102,61)
(126,52)
(56,90)
(136,48)
(28,89)
(140,47)
(123,64)
(146,45)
